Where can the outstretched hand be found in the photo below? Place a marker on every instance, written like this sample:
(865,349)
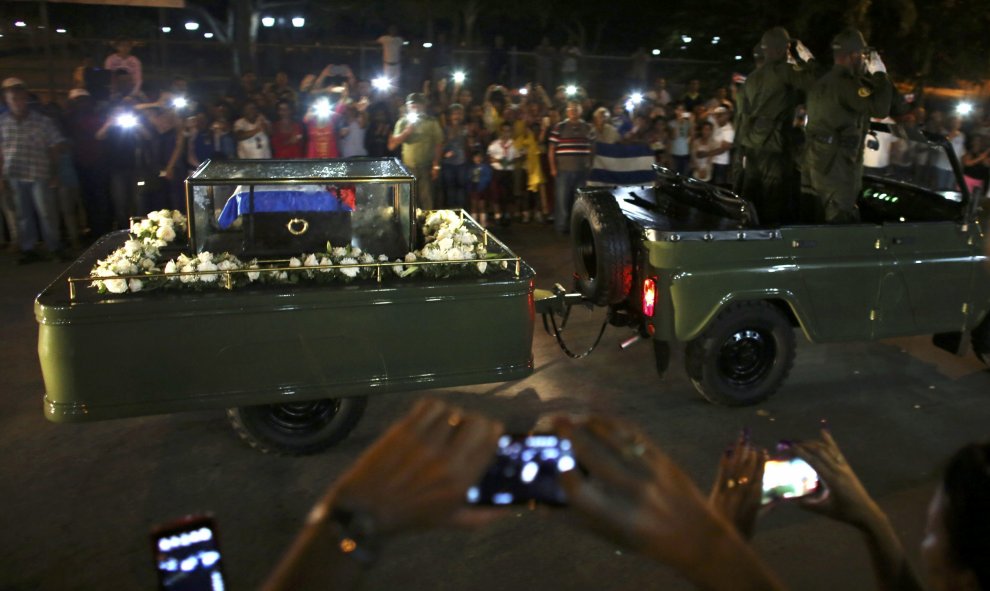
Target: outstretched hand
(636,496)
(737,490)
(844,499)
(418,473)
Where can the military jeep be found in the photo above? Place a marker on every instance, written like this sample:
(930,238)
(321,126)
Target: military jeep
(688,264)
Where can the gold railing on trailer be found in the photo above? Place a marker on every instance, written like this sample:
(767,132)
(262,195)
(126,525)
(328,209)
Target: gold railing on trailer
(283,265)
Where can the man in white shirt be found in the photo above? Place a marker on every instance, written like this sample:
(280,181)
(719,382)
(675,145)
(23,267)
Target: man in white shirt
(392,55)
(723,135)
(251,133)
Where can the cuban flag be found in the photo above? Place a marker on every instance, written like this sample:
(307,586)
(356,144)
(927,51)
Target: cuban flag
(622,164)
(275,198)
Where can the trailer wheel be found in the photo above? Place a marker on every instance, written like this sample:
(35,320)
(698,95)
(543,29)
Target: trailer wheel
(980,339)
(600,243)
(297,428)
(743,356)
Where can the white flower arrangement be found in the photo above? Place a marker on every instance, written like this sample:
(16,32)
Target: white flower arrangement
(449,244)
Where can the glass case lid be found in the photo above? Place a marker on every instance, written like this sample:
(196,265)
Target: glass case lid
(352,170)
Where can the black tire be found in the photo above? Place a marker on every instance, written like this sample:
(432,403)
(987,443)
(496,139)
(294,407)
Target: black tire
(743,356)
(602,253)
(980,338)
(297,428)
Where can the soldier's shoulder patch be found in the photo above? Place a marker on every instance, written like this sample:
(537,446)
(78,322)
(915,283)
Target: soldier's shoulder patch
(864,92)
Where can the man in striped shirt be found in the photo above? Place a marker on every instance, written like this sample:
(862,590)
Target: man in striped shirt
(570,155)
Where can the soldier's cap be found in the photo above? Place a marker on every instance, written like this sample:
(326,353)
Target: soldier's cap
(416,97)
(776,38)
(849,41)
(12,83)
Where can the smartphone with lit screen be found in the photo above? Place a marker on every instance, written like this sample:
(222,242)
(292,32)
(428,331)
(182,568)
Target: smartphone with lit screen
(789,478)
(187,555)
(526,469)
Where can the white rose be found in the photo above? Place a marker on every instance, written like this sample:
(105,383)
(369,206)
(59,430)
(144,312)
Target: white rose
(187,278)
(433,254)
(482,265)
(455,254)
(468,253)
(135,284)
(366,258)
(132,247)
(115,285)
(170,267)
(355,251)
(325,262)
(165,233)
(154,216)
(294,262)
(226,265)
(445,244)
(253,275)
(311,261)
(147,264)
(145,225)
(349,271)
(397,268)
(124,267)
(208,266)
(382,258)
(410,257)
(205,257)
(338,252)
(177,217)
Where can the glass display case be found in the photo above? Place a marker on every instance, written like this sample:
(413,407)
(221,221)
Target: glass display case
(266,208)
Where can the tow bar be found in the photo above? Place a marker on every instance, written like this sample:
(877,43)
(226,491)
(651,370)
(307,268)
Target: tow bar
(559,302)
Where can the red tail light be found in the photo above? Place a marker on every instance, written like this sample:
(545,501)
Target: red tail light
(649,296)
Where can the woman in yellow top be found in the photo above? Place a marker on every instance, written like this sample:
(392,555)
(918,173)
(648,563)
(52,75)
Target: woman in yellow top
(536,183)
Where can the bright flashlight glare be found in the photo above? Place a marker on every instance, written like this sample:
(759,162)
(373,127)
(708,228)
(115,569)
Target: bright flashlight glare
(630,106)
(268,21)
(20,24)
(636,98)
(964,108)
(180,102)
(412,117)
(656,52)
(298,22)
(524,91)
(322,108)
(570,90)
(460,77)
(427,45)
(126,120)
(381,83)
(166,29)
(192,26)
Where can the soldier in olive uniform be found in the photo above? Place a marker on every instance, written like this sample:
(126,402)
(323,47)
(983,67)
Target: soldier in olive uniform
(764,125)
(839,109)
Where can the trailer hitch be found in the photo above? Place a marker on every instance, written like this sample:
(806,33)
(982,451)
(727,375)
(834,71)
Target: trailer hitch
(559,302)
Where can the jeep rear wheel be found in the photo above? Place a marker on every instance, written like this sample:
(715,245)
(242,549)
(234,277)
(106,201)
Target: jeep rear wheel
(297,428)
(600,243)
(743,356)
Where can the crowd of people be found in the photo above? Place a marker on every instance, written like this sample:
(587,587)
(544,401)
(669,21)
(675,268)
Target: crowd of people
(122,145)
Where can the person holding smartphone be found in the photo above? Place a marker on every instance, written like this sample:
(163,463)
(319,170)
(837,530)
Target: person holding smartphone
(417,476)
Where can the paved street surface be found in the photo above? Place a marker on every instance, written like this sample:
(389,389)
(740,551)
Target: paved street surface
(79,499)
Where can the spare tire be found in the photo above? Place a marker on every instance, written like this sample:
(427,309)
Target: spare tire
(602,253)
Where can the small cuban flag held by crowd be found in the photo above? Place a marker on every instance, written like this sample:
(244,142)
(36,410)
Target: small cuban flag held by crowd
(622,164)
(285,198)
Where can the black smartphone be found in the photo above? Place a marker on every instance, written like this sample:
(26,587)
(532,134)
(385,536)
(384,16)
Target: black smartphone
(789,478)
(526,469)
(187,555)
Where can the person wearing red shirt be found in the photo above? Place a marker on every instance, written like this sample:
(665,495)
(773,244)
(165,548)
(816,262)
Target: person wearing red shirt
(321,128)
(287,134)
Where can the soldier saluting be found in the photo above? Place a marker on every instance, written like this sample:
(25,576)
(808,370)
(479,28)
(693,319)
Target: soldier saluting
(785,71)
(840,105)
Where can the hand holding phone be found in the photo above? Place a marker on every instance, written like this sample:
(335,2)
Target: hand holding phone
(187,555)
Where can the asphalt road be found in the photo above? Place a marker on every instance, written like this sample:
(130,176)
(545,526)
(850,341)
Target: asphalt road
(79,500)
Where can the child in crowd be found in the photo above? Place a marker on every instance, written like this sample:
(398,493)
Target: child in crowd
(502,154)
(479,185)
